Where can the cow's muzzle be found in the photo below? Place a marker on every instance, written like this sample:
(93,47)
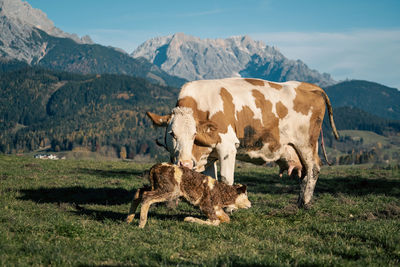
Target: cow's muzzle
(186,163)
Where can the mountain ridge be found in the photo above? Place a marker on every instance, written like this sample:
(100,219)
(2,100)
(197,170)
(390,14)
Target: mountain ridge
(194,58)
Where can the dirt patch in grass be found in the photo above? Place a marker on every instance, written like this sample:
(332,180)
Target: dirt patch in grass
(369,216)
(344,199)
(33,166)
(391,211)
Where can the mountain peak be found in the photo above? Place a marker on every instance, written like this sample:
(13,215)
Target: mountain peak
(21,13)
(193,58)
(25,32)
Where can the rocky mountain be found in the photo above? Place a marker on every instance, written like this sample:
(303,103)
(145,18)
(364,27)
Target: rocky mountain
(193,58)
(19,23)
(26,34)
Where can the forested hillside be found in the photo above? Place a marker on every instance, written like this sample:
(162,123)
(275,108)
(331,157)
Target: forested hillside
(365,138)
(350,118)
(371,97)
(41,108)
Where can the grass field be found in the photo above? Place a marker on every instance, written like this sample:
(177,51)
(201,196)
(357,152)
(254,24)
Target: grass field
(72,212)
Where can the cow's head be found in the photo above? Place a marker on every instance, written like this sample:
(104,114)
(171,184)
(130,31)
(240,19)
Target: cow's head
(188,141)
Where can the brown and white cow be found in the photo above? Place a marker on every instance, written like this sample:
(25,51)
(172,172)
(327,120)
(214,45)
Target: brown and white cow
(250,120)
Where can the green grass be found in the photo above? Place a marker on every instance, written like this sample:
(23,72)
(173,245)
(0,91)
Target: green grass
(72,212)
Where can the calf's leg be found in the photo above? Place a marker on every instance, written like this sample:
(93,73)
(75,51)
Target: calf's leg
(150,198)
(222,216)
(137,198)
(200,221)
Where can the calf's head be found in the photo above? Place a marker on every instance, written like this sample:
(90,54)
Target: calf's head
(188,140)
(241,201)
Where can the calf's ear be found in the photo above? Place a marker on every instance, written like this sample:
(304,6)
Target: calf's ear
(241,189)
(207,134)
(159,120)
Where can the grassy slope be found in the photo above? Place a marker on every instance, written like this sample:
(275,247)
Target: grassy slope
(71,213)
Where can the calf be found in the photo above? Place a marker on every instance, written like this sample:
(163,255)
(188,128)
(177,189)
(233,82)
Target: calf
(169,182)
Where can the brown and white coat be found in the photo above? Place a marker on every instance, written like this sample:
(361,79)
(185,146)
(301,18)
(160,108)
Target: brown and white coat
(169,182)
(247,119)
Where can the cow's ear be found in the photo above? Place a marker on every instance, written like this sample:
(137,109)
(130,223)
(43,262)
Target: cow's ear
(207,134)
(158,120)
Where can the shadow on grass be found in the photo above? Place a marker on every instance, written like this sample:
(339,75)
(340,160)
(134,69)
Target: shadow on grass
(267,183)
(78,195)
(351,185)
(359,186)
(124,174)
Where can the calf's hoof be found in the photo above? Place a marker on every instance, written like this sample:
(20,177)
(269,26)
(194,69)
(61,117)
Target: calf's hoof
(129,219)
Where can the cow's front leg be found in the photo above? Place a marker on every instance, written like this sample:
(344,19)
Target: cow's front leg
(212,170)
(227,158)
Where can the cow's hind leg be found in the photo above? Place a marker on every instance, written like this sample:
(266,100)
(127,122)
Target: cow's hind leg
(310,178)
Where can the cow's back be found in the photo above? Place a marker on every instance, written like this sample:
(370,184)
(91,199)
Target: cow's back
(257,111)
(213,96)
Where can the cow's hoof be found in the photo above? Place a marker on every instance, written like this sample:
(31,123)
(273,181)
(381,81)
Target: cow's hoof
(302,205)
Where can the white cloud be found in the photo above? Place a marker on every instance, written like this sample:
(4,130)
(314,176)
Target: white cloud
(372,55)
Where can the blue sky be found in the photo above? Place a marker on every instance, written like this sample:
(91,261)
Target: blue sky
(355,39)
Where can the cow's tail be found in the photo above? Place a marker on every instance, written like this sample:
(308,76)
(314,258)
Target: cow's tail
(323,148)
(330,113)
